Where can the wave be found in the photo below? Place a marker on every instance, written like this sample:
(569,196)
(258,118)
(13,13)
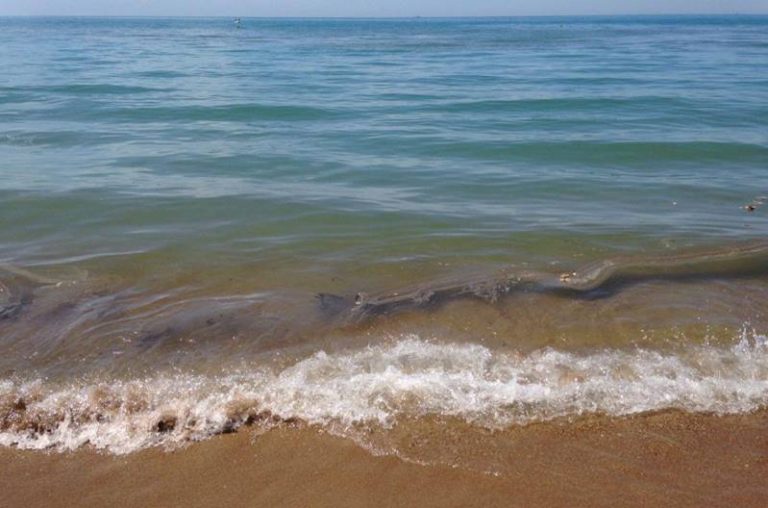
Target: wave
(54,138)
(379,385)
(597,153)
(561,104)
(95,89)
(223,113)
(599,279)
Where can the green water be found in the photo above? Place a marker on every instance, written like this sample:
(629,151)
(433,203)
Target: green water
(323,145)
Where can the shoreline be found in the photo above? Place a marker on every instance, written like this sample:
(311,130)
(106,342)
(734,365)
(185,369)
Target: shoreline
(670,459)
(464,262)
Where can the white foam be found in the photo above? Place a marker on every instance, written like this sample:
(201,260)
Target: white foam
(379,384)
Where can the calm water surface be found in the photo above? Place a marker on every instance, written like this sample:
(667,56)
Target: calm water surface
(336,142)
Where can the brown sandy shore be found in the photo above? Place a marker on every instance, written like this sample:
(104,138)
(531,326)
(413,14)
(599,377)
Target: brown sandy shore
(667,459)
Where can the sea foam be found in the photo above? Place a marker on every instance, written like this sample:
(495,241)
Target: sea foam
(378,385)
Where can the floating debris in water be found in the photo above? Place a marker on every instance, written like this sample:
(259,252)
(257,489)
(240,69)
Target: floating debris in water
(755,204)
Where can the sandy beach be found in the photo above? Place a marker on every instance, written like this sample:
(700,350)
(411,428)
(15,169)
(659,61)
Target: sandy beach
(666,459)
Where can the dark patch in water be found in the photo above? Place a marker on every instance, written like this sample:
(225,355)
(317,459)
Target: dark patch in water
(151,338)
(166,424)
(332,305)
(10,311)
(15,296)
(594,281)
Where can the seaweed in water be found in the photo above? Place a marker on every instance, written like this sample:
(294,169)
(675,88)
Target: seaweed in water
(595,280)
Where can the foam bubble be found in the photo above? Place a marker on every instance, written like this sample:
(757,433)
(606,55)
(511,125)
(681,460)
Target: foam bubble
(379,384)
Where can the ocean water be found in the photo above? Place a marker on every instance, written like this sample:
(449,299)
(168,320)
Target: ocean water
(352,222)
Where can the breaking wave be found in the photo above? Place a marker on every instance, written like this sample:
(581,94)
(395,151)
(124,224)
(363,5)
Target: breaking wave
(378,385)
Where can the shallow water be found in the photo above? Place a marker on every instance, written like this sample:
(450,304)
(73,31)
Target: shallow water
(544,196)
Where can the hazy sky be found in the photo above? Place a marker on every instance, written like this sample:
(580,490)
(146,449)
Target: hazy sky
(374,7)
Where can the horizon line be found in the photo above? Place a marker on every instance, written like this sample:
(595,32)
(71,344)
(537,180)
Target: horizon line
(415,16)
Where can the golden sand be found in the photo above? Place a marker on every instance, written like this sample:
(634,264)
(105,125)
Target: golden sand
(667,459)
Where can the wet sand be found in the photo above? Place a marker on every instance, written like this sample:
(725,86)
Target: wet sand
(665,459)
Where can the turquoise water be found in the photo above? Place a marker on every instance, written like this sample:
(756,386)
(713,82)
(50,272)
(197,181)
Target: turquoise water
(346,222)
(339,142)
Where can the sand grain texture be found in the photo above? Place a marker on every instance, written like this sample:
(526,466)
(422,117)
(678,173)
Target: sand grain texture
(670,459)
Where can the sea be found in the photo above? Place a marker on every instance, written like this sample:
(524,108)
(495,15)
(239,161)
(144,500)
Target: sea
(359,225)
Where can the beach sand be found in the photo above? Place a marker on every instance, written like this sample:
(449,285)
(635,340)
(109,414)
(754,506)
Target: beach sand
(664,459)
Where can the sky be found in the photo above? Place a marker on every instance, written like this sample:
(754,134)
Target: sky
(375,8)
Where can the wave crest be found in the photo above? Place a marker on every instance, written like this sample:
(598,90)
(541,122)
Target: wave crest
(409,377)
